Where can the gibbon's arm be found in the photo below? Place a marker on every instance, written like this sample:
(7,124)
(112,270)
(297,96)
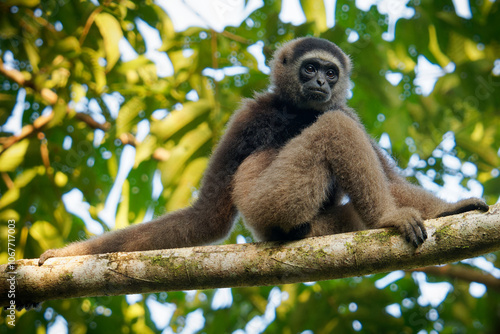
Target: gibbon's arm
(208,220)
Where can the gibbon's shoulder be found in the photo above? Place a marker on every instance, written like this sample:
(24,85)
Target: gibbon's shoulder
(261,102)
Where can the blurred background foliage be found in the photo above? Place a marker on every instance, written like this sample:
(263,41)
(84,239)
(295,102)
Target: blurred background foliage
(110,110)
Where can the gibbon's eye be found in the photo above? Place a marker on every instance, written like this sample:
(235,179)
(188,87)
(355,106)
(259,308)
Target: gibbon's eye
(331,74)
(310,68)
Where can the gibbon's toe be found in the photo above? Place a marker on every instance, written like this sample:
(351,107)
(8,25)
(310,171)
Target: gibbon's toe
(477,204)
(415,232)
(46,255)
(410,224)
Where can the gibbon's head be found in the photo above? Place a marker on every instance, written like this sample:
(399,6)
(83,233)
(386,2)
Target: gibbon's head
(311,73)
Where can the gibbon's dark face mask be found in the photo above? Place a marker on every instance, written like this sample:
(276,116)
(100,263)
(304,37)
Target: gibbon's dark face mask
(318,78)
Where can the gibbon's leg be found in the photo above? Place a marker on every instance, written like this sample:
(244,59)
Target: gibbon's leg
(289,193)
(430,206)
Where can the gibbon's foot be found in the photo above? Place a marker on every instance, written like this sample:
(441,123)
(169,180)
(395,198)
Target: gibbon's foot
(74,249)
(70,250)
(465,205)
(409,222)
(296,233)
(47,255)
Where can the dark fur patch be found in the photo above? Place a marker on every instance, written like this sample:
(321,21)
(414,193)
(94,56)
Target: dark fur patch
(296,233)
(311,43)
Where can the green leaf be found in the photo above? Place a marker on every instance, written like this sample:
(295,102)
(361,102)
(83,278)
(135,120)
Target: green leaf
(7,103)
(32,52)
(190,179)
(111,33)
(128,112)
(24,3)
(9,197)
(122,213)
(92,57)
(68,44)
(144,150)
(188,145)
(46,234)
(315,12)
(179,119)
(13,156)
(22,180)
(7,214)
(59,114)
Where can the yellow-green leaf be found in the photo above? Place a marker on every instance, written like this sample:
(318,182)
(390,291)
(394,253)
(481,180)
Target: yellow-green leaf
(315,12)
(188,145)
(68,44)
(46,234)
(122,220)
(7,214)
(9,197)
(190,178)
(97,70)
(59,114)
(127,113)
(25,3)
(13,156)
(179,118)
(144,150)
(111,33)
(33,56)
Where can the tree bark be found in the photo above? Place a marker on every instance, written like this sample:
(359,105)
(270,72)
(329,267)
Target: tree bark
(322,258)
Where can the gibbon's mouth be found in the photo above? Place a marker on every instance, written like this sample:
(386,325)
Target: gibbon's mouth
(318,93)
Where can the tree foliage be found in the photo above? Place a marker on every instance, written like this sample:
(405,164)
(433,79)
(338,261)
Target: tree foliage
(87,109)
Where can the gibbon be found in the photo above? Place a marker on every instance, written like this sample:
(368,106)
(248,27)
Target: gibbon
(295,162)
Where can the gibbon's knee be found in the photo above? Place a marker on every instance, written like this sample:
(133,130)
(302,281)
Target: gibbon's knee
(268,195)
(246,176)
(259,205)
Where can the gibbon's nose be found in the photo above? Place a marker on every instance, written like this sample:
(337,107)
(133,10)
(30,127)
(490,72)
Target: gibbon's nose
(320,81)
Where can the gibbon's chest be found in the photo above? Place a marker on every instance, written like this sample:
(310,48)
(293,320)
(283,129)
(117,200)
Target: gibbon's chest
(283,125)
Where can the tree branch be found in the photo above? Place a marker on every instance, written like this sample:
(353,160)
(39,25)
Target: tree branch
(463,273)
(334,256)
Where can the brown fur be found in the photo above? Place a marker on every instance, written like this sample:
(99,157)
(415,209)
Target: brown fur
(287,160)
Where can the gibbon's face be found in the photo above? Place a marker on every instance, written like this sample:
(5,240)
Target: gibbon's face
(318,77)
(311,73)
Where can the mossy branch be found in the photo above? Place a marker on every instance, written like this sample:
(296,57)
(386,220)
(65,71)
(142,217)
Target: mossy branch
(335,256)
